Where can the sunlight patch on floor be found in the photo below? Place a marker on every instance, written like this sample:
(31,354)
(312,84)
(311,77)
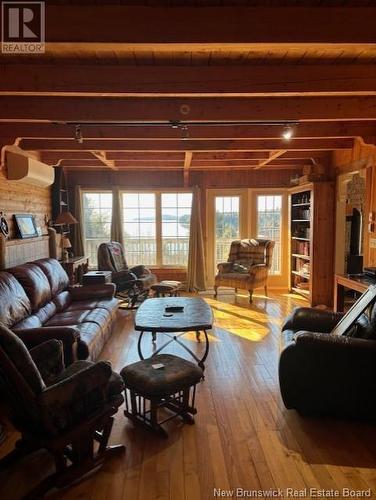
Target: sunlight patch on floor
(246,323)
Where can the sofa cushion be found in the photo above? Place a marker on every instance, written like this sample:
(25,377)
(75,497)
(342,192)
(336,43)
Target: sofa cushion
(35,284)
(55,274)
(234,277)
(75,317)
(39,318)
(62,300)
(14,303)
(32,321)
(92,335)
(108,304)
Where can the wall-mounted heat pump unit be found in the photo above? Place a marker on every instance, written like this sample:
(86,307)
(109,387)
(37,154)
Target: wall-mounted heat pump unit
(23,168)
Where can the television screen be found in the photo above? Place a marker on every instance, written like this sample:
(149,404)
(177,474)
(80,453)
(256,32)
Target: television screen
(26,225)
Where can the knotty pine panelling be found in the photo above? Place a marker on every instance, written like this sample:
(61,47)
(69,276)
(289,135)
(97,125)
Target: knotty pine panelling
(20,198)
(163,179)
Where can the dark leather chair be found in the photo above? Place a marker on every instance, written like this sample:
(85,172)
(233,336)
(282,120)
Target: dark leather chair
(323,374)
(63,410)
(135,280)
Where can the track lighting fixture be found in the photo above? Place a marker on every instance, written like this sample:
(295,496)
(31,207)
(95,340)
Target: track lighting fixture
(185,132)
(287,133)
(78,135)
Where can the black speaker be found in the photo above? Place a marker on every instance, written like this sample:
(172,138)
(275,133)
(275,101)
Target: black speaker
(354,264)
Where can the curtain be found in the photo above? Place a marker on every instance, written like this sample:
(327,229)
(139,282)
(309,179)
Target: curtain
(116,220)
(196,258)
(78,237)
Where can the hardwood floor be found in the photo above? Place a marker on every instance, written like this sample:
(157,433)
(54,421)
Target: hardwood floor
(243,436)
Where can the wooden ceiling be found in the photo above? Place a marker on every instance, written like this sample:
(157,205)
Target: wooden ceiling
(187,87)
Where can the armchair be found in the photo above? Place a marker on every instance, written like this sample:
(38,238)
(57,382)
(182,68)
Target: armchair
(61,410)
(247,266)
(135,280)
(323,374)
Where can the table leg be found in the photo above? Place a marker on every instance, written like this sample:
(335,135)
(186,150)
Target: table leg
(339,298)
(201,363)
(139,346)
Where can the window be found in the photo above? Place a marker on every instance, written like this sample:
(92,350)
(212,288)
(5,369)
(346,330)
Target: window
(156,228)
(176,218)
(97,212)
(227,226)
(269,217)
(139,220)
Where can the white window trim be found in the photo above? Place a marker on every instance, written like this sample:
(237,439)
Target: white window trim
(158,221)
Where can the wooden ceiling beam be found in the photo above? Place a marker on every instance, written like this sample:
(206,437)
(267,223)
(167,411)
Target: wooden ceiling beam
(52,157)
(191,145)
(239,163)
(257,155)
(80,109)
(79,166)
(323,129)
(101,155)
(153,25)
(187,164)
(272,156)
(188,81)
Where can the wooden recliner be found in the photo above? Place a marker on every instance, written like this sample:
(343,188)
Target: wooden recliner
(63,410)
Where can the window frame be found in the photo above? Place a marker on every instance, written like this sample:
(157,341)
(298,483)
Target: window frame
(158,221)
(95,191)
(274,280)
(265,195)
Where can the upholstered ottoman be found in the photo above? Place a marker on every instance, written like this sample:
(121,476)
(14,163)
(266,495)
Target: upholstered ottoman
(150,390)
(166,287)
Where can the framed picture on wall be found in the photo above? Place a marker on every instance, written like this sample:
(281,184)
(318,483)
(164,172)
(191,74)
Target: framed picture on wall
(26,226)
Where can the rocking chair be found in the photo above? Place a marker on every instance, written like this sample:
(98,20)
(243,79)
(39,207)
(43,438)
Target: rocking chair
(62,410)
(132,283)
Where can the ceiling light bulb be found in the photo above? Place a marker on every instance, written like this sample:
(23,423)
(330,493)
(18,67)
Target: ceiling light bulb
(287,133)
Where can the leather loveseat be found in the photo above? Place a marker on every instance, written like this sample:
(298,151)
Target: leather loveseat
(324,374)
(37,303)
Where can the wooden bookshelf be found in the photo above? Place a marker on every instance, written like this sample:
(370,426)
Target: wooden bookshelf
(311,213)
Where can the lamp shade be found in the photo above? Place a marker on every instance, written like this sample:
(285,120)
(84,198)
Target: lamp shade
(66,242)
(65,218)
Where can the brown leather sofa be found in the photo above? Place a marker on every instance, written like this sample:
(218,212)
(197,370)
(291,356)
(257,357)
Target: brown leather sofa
(37,303)
(323,374)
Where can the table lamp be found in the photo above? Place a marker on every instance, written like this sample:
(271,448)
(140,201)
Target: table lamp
(65,219)
(66,245)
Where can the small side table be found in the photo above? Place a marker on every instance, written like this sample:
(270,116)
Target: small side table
(358,283)
(97,278)
(75,268)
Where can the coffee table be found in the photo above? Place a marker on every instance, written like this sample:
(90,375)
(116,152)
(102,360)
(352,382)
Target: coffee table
(196,316)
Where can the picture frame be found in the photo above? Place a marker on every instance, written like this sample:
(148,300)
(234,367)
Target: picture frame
(26,226)
(357,309)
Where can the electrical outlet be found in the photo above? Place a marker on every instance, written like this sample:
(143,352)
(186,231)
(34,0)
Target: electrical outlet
(372,243)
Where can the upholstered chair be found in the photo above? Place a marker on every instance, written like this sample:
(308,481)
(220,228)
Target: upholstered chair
(63,410)
(111,257)
(247,266)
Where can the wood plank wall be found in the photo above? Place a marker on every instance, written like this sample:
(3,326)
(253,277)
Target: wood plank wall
(21,198)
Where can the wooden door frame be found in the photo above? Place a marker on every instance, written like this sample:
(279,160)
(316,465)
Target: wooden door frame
(248,227)
(211,194)
(276,280)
